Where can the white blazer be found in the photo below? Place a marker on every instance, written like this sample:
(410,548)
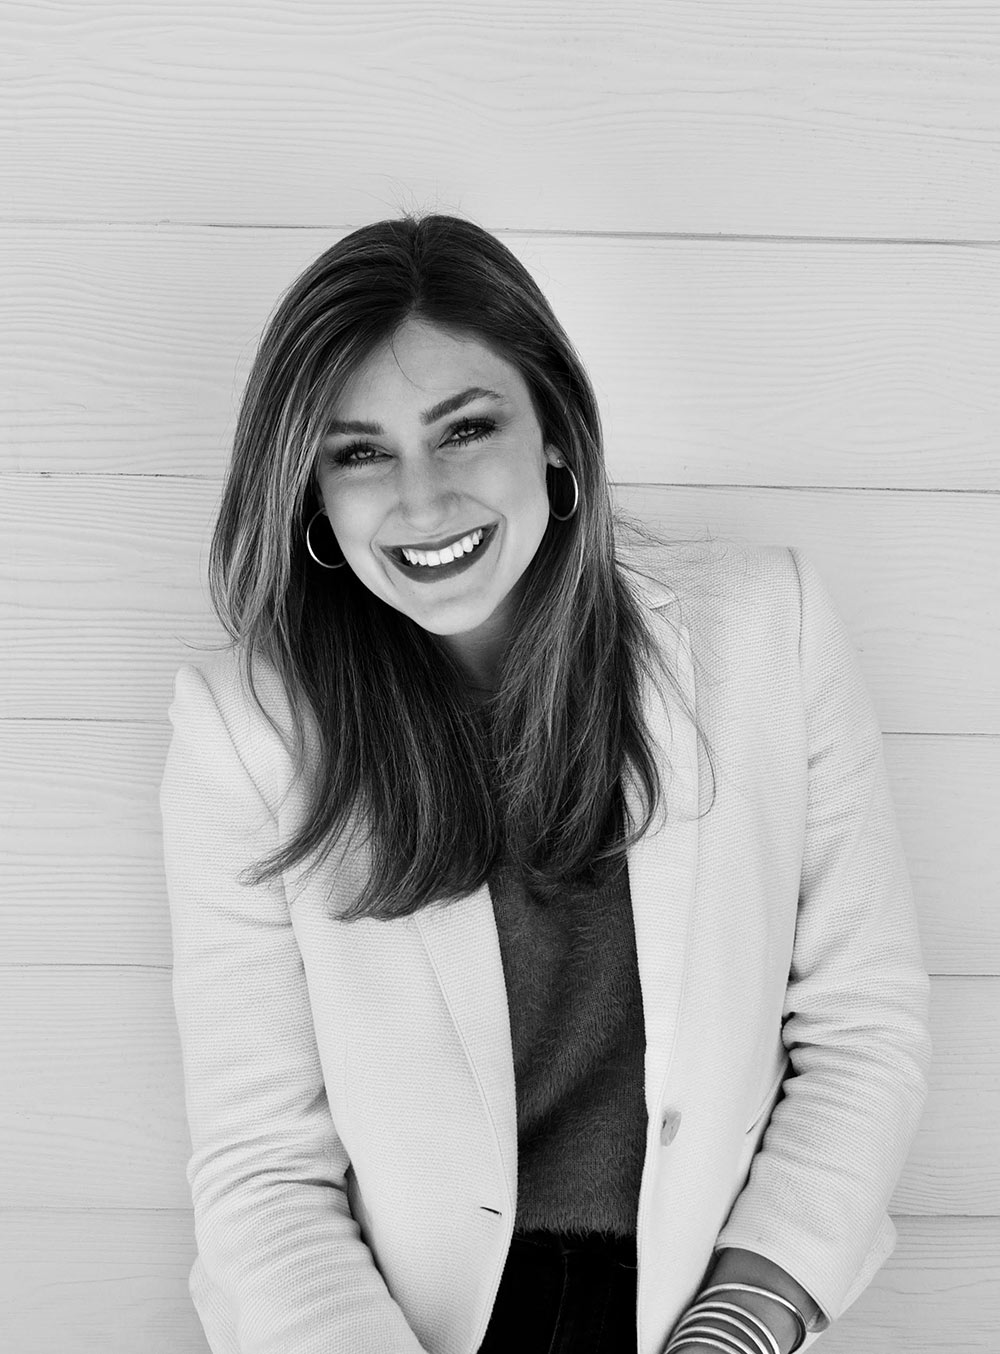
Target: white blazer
(350,1087)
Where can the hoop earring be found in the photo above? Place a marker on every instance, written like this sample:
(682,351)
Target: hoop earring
(576,497)
(320,512)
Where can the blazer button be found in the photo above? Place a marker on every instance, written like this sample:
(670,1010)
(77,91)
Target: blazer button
(668,1128)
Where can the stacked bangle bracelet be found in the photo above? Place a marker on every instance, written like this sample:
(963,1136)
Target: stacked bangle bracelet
(690,1330)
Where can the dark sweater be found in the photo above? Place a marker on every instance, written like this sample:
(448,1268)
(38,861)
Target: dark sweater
(579,1039)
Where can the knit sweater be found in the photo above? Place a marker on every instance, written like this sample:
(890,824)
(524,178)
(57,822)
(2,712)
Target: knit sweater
(578,1039)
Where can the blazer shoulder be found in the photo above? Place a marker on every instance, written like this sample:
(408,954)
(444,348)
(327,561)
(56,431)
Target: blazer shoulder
(212,697)
(708,577)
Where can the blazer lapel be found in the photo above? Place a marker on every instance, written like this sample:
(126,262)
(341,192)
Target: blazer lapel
(463,946)
(662,868)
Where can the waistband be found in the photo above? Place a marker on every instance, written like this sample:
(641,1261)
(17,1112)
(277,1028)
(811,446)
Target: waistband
(620,1248)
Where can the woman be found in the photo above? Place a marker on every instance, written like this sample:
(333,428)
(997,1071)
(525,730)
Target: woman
(472,1062)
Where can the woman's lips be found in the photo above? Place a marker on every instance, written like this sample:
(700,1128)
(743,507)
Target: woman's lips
(446,545)
(427,573)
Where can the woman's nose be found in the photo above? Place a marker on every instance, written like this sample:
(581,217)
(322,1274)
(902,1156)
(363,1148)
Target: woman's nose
(425,495)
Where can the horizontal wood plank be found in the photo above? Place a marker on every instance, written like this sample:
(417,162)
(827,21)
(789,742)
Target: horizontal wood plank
(827,120)
(715,363)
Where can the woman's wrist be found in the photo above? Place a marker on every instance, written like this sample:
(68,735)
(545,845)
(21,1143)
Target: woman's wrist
(734,1265)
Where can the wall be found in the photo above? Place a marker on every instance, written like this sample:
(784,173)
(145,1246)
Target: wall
(772,231)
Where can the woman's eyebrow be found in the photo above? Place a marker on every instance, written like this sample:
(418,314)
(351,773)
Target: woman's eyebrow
(428,417)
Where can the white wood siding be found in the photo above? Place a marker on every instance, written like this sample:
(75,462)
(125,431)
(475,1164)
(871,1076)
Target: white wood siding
(772,231)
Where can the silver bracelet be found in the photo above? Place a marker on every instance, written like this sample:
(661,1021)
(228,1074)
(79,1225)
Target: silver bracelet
(767,1293)
(690,1328)
(765,1340)
(702,1340)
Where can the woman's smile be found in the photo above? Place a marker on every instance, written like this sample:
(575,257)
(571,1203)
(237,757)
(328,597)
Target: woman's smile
(429,573)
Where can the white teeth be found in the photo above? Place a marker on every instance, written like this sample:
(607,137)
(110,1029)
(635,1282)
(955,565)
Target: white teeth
(430,558)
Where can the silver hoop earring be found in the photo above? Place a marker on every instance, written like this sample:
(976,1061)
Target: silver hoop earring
(321,512)
(576,497)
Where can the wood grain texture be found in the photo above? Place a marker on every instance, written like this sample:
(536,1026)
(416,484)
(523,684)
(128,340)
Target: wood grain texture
(796,364)
(833,119)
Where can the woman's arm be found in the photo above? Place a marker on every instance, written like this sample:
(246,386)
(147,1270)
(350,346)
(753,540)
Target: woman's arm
(734,1265)
(855,1013)
(281,1265)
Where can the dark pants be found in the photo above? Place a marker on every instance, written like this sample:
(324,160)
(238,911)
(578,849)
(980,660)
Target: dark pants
(565,1295)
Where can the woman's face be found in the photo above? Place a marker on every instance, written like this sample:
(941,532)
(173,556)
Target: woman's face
(412,482)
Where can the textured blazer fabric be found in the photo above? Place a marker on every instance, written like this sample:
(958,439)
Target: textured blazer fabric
(350,1088)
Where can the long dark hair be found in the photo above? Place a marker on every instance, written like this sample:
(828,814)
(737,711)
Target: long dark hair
(445,789)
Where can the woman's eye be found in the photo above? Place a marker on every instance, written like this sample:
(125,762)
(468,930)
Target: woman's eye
(482,428)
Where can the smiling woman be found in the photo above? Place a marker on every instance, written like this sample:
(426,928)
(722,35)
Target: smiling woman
(413,387)
(524,1067)
(423,487)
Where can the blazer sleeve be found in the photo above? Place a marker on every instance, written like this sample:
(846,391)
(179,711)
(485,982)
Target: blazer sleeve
(281,1267)
(855,1017)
